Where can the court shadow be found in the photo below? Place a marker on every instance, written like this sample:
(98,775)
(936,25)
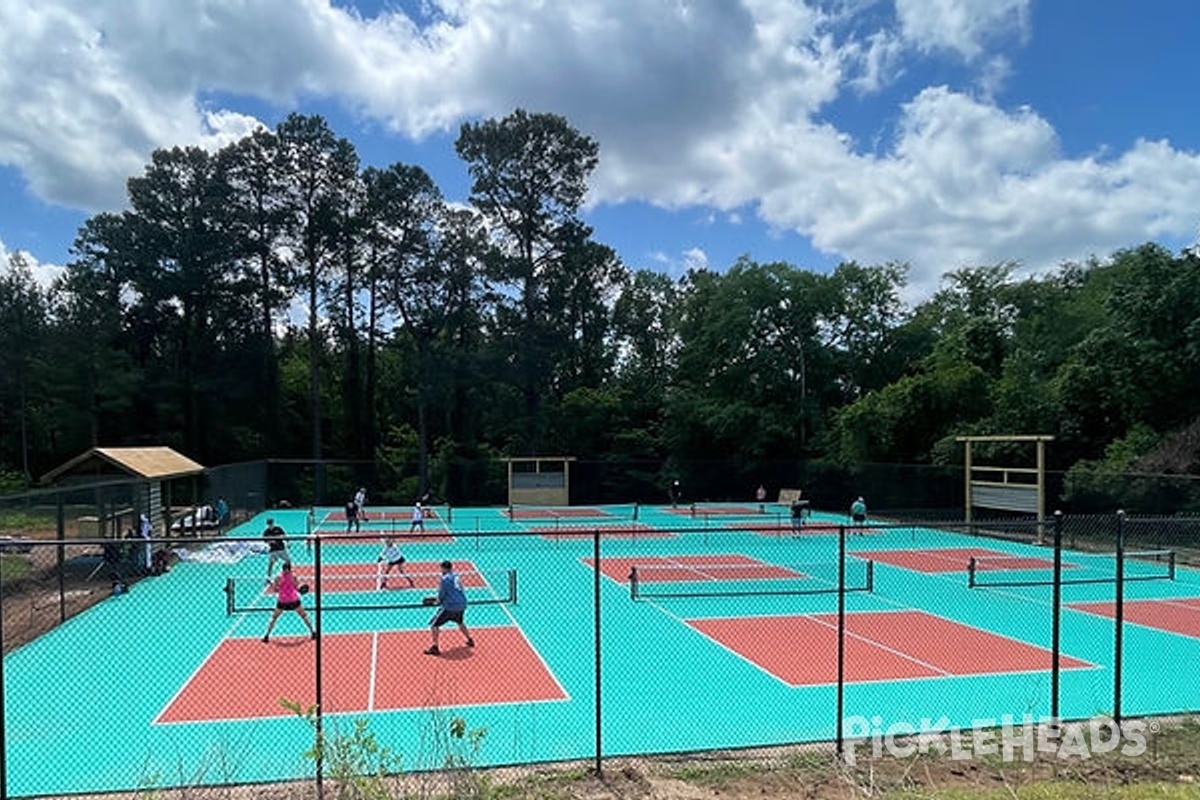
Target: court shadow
(460,653)
(289,641)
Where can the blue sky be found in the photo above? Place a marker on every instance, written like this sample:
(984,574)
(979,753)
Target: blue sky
(939,133)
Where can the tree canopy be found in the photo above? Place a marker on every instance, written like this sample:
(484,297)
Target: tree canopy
(277,299)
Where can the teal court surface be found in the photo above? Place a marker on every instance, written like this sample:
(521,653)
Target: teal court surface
(718,627)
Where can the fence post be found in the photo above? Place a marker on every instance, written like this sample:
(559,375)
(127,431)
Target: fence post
(1119,616)
(841,640)
(596,606)
(61,517)
(1056,623)
(318,593)
(3,710)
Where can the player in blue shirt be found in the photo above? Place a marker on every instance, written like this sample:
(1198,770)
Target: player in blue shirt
(452,603)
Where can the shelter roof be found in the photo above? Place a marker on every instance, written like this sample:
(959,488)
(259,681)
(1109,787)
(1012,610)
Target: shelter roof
(154,463)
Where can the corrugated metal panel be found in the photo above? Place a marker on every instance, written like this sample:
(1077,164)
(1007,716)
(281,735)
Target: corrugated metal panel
(1012,497)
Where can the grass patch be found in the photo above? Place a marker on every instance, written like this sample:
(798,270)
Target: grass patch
(23,521)
(14,569)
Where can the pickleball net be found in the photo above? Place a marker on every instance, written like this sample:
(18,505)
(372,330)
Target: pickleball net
(748,580)
(368,590)
(1138,565)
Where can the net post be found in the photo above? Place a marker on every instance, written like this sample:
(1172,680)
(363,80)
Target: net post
(229,597)
(512,585)
(633,583)
(971,573)
(449,514)
(1171,565)
(635,511)
(870,575)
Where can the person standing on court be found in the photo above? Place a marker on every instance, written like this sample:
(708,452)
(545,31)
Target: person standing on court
(360,500)
(858,512)
(452,604)
(390,557)
(799,509)
(418,518)
(352,523)
(276,546)
(287,598)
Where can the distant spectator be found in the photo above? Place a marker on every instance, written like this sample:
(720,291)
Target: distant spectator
(146,530)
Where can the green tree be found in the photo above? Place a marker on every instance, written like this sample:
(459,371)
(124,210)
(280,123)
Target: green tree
(865,323)
(23,321)
(321,170)
(92,374)
(528,179)
(256,219)
(754,377)
(179,272)
(1134,364)
(903,421)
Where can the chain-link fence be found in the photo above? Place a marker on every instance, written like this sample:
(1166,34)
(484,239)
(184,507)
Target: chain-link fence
(592,635)
(894,491)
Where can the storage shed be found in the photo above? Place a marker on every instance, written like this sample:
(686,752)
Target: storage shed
(154,468)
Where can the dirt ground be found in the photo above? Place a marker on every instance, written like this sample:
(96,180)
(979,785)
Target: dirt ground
(39,603)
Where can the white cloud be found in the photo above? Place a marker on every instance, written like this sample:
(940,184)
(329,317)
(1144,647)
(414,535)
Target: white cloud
(963,26)
(694,258)
(724,106)
(43,274)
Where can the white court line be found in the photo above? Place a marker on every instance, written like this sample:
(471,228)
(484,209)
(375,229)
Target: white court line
(374,671)
(887,649)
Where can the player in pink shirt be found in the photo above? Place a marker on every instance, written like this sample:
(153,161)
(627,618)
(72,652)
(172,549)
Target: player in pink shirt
(287,598)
